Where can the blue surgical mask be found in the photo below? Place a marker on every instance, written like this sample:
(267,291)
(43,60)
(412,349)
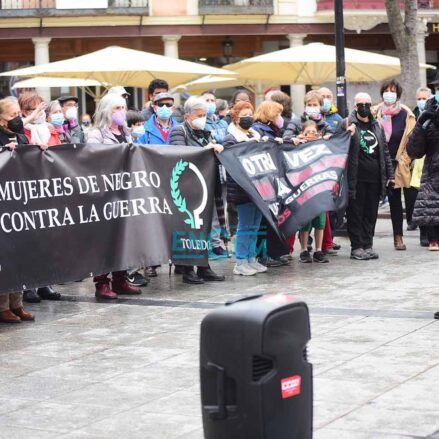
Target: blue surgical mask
(211,108)
(436,96)
(326,105)
(57,119)
(389,97)
(164,113)
(420,103)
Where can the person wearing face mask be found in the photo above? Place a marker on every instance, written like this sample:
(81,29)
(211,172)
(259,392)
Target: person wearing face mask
(329,110)
(192,133)
(11,123)
(287,104)
(424,141)
(158,127)
(72,130)
(216,126)
(110,128)
(249,216)
(313,111)
(136,122)
(398,122)
(86,123)
(370,172)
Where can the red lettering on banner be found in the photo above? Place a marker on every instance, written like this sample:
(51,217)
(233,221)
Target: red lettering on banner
(283,216)
(335,161)
(291,386)
(315,190)
(265,189)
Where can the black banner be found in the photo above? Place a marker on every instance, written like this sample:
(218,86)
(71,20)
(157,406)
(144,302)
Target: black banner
(291,184)
(75,211)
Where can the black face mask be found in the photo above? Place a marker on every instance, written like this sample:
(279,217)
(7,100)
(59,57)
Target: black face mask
(16,125)
(363,110)
(246,122)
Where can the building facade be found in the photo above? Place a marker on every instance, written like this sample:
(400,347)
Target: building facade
(214,31)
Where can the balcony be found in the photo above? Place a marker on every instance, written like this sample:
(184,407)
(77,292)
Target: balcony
(325,5)
(229,7)
(60,8)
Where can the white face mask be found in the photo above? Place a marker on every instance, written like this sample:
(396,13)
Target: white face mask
(312,112)
(139,131)
(389,97)
(199,123)
(72,113)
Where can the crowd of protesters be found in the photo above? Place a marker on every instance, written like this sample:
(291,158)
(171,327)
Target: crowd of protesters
(391,147)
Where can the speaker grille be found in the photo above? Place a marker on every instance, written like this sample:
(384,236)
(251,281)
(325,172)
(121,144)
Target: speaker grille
(261,367)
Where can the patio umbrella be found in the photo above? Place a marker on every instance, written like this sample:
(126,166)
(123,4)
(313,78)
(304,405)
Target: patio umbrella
(120,66)
(212,82)
(55,82)
(315,64)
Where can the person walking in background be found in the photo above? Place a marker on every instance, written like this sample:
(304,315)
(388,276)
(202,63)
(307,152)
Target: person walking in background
(249,216)
(72,130)
(370,172)
(398,122)
(110,128)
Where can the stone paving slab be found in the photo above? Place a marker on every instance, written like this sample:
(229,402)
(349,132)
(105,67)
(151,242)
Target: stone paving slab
(90,370)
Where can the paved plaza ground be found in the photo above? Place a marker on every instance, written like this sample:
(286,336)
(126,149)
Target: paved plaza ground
(129,370)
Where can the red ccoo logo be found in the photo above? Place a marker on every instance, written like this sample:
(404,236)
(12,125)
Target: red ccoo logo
(291,386)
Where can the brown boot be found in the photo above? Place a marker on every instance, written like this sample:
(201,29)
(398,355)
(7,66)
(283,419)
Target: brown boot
(121,286)
(8,316)
(24,315)
(398,243)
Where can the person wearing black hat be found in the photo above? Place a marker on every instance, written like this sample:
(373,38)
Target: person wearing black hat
(72,129)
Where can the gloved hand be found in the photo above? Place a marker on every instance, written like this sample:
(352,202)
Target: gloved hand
(426,115)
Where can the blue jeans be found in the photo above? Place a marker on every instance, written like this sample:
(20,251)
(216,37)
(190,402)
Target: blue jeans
(249,219)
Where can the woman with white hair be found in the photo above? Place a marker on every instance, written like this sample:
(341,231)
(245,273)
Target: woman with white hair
(192,133)
(110,128)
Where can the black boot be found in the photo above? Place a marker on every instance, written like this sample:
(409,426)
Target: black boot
(31,296)
(190,277)
(207,274)
(48,293)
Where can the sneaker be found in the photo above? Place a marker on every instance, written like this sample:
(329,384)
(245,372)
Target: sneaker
(434,246)
(371,253)
(258,267)
(217,253)
(137,279)
(336,246)
(330,252)
(270,262)
(411,226)
(285,260)
(320,257)
(305,257)
(244,270)
(359,254)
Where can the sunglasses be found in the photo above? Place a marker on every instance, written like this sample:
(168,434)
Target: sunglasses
(161,104)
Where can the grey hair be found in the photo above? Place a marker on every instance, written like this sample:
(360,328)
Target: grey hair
(360,95)
(52,105)
(194,103)
(104,110)
(6,102)
(426,89)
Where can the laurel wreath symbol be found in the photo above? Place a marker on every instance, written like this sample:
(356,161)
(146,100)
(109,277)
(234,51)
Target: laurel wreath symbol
(177,198)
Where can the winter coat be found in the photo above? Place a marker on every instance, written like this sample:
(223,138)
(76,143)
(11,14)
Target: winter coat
(294,128)
(75,134)
(217,127)
(386,167)
(6,138)
(424,140)
(266,130)
(105,136)
(235,193)
(54,139)
(152,135)
(184,134)
(333,118)
(403,161)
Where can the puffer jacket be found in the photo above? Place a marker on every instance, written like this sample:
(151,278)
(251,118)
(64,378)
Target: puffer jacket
(185,135)
(105,136)
(354,151)
(424,140)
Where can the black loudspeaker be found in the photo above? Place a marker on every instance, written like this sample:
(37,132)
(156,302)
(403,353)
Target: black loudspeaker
(256,382)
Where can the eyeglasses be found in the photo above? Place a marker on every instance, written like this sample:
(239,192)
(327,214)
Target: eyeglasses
(161,104)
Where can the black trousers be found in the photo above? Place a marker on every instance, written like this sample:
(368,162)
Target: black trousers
(396,211)
(362,215)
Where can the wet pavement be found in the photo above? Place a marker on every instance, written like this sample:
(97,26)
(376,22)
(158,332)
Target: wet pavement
(89,370)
